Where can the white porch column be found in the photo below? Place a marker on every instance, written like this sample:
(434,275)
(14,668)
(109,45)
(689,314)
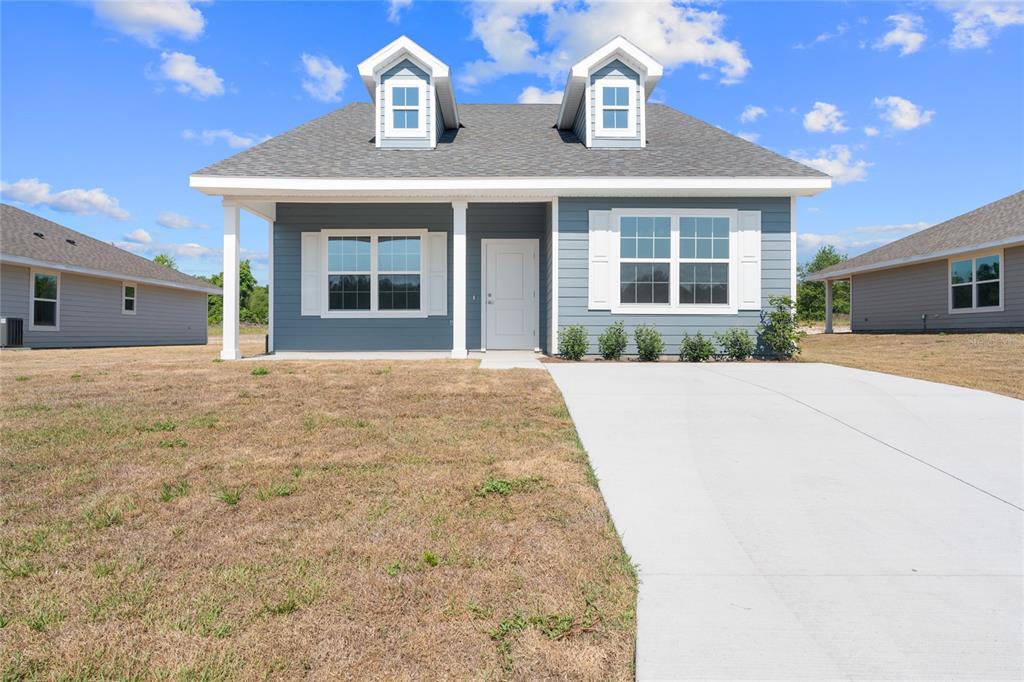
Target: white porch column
(459,279)
(828,306)
(230,349)
(270,285)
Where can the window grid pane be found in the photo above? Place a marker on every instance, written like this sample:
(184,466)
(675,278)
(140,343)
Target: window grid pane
(46,287)
(348,254)
(348,292)
(703,283)
(986,268)
(645,237)
(129,304)
(44,313)
(962,296)
(398,292)
(644,282)
(398,254)
(988,294)
(961,272)
(704,238)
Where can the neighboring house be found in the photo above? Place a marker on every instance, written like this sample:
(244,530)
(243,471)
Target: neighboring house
(62,288)
(415,223)
(966,274)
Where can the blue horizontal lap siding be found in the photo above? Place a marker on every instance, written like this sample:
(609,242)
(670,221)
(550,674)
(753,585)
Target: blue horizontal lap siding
(293,331)
(573,263)
(502,221)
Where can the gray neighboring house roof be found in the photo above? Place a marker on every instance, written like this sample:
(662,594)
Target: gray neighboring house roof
(1000,223)
(19,245)
(506,140)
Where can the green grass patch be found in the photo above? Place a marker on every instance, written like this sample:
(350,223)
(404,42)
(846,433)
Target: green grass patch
(173,443)
(174,490)
(505,487)
(157,426)
(276,489)
(259,371)
(322,421)
(230,496)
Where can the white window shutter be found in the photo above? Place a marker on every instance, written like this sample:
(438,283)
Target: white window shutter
(437,273)
(311,280)
(600,279)
(749,243)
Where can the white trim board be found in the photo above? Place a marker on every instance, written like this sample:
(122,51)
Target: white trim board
(467,187)
(74,269)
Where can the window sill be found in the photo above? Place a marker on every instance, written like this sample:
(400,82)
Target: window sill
(43,328)
(963,311)
(669,310)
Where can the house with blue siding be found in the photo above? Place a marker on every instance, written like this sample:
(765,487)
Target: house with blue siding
(414,223)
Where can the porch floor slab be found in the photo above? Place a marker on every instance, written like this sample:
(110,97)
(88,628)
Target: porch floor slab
(508,359)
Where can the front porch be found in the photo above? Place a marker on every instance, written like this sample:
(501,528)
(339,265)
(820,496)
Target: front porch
(475,275)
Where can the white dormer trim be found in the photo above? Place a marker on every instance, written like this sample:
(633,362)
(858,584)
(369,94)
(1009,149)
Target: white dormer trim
(371,68)
(577,85)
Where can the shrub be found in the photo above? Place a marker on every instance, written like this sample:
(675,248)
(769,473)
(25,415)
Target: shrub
(696,348)
(778,330)
(736,343)
(572,342)
(649,344)
(612,343)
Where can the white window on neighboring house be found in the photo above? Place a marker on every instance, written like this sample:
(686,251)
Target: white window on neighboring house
(616,108)
(128,298)
(976,283)
(45,313)
(406,111)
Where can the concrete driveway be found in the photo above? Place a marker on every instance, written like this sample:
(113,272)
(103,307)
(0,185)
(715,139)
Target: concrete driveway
(806,521)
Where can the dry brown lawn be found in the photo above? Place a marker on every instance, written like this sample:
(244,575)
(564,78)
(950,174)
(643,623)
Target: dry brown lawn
(990,362)
(163,515)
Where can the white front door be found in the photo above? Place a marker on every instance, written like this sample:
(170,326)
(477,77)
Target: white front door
(510,284)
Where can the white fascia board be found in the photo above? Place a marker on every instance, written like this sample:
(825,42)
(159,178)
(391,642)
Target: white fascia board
(913,260)
(104,274)
(542,186)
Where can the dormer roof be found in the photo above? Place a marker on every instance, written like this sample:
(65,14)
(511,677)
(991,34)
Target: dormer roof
(405,48)
(616,48)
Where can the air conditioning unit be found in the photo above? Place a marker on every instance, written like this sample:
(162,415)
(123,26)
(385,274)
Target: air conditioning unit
(12,332)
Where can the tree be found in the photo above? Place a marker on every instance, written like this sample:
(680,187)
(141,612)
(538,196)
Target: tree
(166,260)
(246,288)
(810,296)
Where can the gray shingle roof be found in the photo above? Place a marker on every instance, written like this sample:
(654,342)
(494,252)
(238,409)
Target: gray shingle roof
(506,140)
(999,221)
(18,239)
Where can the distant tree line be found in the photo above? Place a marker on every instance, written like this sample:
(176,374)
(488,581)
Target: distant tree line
(810,296)
(254,299)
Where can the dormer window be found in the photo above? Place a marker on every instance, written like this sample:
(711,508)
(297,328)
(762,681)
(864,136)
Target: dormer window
(615,108)
(406,117)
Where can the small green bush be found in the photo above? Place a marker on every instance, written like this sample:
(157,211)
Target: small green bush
(778,330)
(696,348)
(649,344)
(736,343)
(612,343)
(572,342)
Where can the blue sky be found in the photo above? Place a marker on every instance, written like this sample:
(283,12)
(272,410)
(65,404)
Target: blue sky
(106,108)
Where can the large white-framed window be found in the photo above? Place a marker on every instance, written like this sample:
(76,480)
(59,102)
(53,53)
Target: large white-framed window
(45,297)
(616,107)
(675,260)
(129,298)
(374,273)
(405,114)
(976,283)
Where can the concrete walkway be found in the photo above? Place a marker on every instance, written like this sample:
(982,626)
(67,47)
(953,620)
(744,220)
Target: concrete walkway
(805,521)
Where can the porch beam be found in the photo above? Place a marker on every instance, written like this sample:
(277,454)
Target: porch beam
(459,209)
(828,306)
(230,349)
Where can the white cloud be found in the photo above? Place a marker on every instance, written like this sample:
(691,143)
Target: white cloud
(395,8)
(902,114)
(139,236)
(749,137)
(176,221)
(870,131)
(152,248)
(907,34)
(752,113)
(534,95)
(674,34)
(824,37)
(145,21)
(824,117)
(232,138)
(189,75)
(975,23)
(854,239)
(836,161)
(324,79)
(32,192)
